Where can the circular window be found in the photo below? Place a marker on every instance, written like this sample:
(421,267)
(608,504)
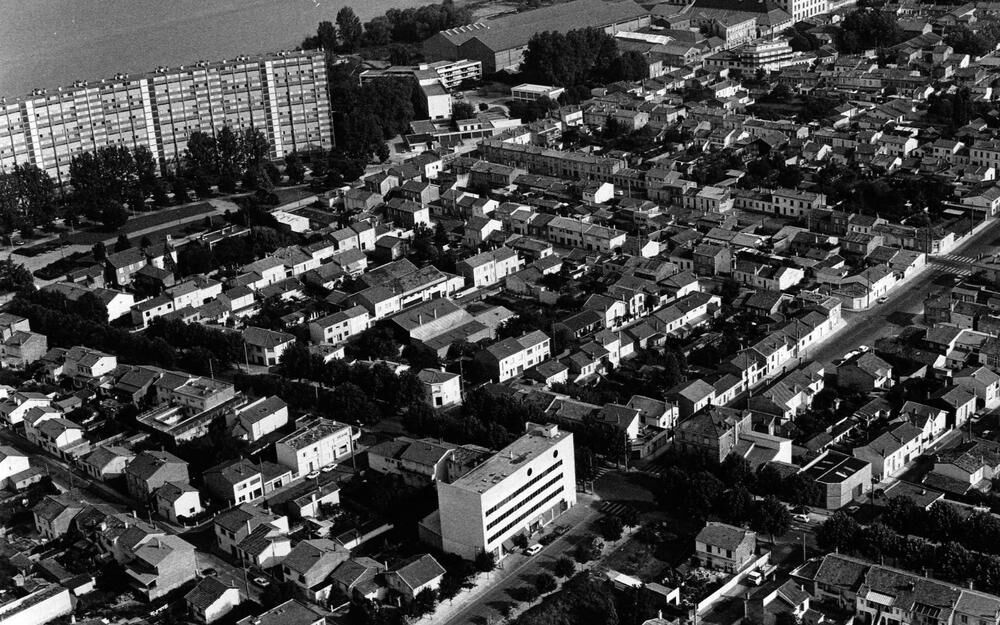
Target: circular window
(555,453)
(529,472)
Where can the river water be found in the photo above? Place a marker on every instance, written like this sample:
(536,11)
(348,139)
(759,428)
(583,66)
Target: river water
(51,43)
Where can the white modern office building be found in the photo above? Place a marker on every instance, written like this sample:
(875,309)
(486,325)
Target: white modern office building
(522,488)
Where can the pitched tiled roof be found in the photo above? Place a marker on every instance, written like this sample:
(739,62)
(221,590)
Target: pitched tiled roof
(724,535)
(420,571)
(207,592)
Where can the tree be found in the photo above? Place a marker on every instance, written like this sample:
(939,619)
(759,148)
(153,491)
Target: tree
(701,491)
(736,505)
(145,170)
(378,31)
(770,516)
(866,28)
(564,567)
(424,602)
(35,194)
(485,561)
(350,30)
(839,532)
(326,35)
(672,372)
(588,549)
(462,110)
(254,146)
(100,251)
(231,157)
(611,528)
(964,41)
(113,215)
(400,55)
(122,243)
(545,583)
(201,157)
(15,277)
(293,168)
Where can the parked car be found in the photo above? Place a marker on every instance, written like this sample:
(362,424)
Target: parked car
(533,549)
(312,475)
(328,468)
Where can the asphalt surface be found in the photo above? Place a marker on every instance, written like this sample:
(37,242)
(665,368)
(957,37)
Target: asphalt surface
(865,327)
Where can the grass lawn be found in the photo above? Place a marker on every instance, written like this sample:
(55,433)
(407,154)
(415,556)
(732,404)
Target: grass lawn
(638,559)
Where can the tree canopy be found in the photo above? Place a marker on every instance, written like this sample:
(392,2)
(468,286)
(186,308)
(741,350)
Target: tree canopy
(583,56)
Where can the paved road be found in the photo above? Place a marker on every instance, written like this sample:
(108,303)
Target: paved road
(865,327)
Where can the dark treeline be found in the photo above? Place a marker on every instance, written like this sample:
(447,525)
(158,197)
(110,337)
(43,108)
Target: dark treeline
(168,344)
(588,56)
(404,26)
(949,561)
(366,115)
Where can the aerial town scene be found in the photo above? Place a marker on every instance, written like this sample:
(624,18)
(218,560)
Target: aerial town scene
(581,312)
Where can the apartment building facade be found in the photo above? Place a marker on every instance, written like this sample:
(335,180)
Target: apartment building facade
(284,95)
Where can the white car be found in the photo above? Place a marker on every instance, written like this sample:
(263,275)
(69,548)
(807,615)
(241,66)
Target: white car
(533,549)
(312,475)
(328,468)
(801,516)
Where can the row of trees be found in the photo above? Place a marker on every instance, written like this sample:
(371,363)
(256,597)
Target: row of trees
(943,522)
(404,26)
(949,561)
(580,57)
(225,159)
(192,347)
(110,177)
(27,198)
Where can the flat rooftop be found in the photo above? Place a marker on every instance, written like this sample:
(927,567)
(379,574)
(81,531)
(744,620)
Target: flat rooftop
(508,460)
(315,431)
(834,468)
